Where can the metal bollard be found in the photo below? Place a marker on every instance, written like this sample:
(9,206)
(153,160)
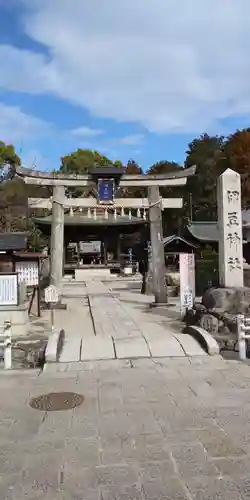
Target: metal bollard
(6,342)
(243,326)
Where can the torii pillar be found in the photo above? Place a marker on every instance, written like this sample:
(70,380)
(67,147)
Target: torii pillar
(57,237)
(157,247)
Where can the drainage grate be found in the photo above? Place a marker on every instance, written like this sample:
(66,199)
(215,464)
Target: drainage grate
(57,401)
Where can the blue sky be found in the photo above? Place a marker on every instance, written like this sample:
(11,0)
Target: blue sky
(133,80)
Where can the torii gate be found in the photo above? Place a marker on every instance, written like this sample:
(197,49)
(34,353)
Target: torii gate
(154,204)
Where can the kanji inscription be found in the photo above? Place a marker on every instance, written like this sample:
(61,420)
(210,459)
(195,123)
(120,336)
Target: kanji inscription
(230,229)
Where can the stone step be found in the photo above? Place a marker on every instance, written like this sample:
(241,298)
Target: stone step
(97,348)
(131,348)
(167,346)
(71,350)
(190,346)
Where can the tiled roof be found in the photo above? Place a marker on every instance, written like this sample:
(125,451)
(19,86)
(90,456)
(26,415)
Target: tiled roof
(175,238)
(204,231)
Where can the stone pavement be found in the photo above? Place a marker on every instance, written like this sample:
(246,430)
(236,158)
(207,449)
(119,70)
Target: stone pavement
(147,430)
(113,321)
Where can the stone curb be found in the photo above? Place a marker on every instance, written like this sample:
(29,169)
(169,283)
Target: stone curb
(204,338)
(54,346)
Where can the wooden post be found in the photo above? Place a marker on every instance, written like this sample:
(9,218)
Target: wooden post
(57,236)
(78,252)
(118,249)
(105,253)
(158,260)
(38,296)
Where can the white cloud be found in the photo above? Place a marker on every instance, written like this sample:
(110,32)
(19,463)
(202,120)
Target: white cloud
(129,140)
(19,127)
(169,65)
(86,132)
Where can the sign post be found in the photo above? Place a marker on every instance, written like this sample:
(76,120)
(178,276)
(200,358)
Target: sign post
(187,281)
(51,295)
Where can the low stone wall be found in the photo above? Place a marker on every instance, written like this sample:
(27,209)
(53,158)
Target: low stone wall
(18,317)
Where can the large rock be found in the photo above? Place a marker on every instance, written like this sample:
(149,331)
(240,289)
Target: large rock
(210,323)
(227,300)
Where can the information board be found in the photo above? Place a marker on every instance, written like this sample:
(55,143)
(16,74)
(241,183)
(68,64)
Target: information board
(28,272)
(8,289)
(51,294)
(90,247)
(106,190)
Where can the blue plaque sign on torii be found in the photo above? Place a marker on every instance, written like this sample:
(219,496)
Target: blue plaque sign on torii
(105,188)
(107,180)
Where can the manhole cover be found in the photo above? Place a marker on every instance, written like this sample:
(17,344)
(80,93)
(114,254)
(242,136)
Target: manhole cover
(57,401)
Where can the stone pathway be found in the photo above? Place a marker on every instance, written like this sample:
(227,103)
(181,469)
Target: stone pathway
(149,429)
(103,324)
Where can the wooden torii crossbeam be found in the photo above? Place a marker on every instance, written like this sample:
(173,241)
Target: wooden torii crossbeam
(154,203)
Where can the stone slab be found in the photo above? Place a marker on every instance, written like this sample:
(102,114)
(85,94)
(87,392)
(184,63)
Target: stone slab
(205,339)
(88,274)
(131,348)
(71,350)
(167,346)
(152,330)
(54,346)
(97,348)
(190,345)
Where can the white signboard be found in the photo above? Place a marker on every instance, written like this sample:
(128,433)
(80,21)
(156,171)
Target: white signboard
(187,281)
(51,294)
(90,246)
(8,289)
(28,272)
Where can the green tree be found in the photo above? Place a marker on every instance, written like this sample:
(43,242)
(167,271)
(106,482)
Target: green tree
(237,157)
(8,161)
(11,189)
(163,167)
(172,219)
(82,160)
(208,155)
(132,168)
(14,211)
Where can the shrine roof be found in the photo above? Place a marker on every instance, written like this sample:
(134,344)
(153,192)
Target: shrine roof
(13,241)
(83,220)
(28,255)
(174,238)
(204,231)
(208,231)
